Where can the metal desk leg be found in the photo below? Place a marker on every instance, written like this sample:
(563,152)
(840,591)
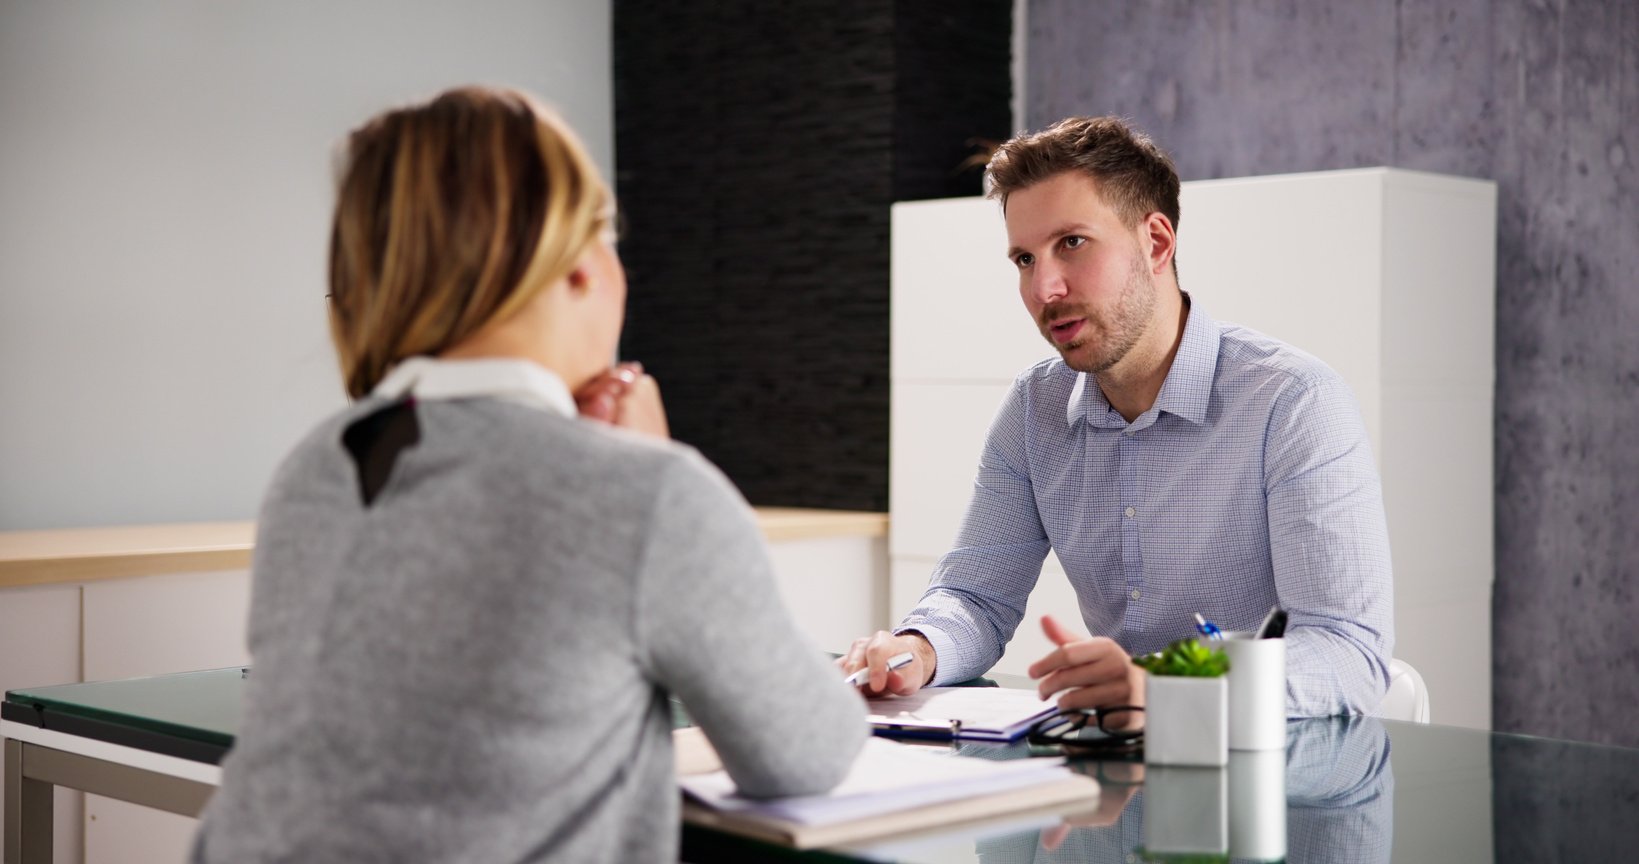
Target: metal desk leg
(28,812)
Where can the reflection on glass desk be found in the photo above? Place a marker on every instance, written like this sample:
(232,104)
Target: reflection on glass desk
(1344,789)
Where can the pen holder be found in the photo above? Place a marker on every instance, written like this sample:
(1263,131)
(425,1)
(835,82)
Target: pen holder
(1257,692)
(1186,720)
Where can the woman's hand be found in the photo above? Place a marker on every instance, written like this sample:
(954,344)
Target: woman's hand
(625,396)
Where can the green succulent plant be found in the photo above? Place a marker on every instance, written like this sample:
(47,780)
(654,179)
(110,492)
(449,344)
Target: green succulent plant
(1187,657)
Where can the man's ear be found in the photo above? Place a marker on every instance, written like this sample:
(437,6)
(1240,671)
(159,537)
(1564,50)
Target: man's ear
(1163,241)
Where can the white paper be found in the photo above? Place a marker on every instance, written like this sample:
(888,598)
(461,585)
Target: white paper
(887,776)
(986,712)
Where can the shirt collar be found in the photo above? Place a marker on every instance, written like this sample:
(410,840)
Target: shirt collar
(1186,390)
(512,380)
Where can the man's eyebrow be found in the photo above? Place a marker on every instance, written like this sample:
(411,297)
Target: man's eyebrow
(1061,231)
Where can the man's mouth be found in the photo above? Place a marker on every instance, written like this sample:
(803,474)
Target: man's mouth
(1064,330)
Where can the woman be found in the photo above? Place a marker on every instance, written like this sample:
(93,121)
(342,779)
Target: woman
(470,604)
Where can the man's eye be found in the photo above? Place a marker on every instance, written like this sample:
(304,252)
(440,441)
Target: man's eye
(1072,242)
(1024,260)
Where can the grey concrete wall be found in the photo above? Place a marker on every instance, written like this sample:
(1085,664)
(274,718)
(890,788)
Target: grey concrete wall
(165,194)
(1542,97)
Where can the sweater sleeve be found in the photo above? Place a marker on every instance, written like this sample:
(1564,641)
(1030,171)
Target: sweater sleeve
(714,632)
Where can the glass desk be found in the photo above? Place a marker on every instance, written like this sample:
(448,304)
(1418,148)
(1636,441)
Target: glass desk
(1345,789)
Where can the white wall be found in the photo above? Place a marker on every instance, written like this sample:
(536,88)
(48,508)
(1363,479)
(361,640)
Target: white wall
(165,185)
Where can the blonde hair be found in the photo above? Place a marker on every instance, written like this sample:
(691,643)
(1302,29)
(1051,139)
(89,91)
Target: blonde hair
(450,215)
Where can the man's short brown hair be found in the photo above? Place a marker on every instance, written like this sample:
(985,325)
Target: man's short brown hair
(1134,175)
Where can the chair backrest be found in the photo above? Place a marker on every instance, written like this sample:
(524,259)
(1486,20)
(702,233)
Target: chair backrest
(1407,696)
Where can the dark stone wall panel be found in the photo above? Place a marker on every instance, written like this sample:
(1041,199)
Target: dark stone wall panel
(1541,97)
(759,147)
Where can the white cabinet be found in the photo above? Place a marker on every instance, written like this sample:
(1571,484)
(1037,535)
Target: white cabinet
(1387,275)
(154,625)
(120,628)
(835,587)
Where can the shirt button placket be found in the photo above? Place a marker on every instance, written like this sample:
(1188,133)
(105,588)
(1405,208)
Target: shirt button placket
(1132,550)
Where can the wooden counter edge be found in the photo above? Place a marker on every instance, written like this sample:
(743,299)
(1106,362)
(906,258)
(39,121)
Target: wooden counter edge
(90,554)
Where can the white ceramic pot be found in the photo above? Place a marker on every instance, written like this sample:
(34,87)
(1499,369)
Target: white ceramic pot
(1186,720)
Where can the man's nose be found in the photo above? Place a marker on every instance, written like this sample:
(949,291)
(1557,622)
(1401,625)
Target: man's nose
(1047,283)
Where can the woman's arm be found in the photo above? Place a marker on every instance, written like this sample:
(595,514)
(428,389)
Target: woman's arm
(714,632)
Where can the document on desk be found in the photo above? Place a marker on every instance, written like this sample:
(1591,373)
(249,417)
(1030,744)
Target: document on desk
(982,713)
(891,788)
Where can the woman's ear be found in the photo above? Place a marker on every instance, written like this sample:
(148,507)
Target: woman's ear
(580,279)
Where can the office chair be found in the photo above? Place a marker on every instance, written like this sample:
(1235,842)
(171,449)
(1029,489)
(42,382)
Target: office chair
(1407,696)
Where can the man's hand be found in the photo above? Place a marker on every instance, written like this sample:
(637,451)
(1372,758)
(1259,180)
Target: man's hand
(626,397)
(1094,670)
(873,652)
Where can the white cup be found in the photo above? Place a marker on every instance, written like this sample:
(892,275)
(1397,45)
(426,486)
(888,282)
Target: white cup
(1257,692)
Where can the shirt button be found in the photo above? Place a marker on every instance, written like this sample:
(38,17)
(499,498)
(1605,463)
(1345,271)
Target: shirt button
(1128,433)
(1136,595)
(1131,512)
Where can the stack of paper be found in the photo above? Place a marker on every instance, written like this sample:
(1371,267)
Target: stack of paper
(891,788)
(984,713)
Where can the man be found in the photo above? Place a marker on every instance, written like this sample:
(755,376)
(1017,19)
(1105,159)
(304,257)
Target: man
(1174,464)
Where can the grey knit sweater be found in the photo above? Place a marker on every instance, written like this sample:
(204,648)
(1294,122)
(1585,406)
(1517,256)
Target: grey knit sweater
(475,666)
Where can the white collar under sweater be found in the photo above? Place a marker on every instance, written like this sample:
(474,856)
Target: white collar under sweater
(517,381)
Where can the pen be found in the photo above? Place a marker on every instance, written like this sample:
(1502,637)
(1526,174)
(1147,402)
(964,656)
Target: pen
(1274,624)
(897,661)
(1207,628)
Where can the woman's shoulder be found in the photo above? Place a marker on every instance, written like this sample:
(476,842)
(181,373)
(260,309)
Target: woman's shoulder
(497,427)
(511,448)
(534,447)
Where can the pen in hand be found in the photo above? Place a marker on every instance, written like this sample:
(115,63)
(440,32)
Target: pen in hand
(897,661)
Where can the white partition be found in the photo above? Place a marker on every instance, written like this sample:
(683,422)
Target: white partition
(1387,275)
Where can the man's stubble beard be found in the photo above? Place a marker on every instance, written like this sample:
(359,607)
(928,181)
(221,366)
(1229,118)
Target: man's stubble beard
(1133,311)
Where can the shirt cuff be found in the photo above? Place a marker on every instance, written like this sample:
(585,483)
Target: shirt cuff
(944,651)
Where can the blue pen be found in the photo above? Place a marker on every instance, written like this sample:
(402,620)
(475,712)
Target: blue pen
(1207,628)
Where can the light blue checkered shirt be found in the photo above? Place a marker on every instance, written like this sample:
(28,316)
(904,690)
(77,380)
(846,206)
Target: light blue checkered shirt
(1249,482)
